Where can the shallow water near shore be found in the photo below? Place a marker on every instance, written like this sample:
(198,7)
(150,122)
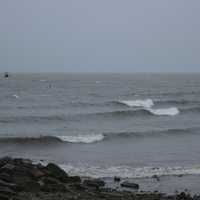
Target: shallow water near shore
(133,126)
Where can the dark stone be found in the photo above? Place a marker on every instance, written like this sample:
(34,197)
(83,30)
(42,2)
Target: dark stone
(78,186)
(21,161)
(6,184)
(56,171)
(50,180)
(36,173)
(4,197)
(6,191)
(25,181)
(73,179)
(94,183)
(156,177)
(5,177)
(130,185)
(49,184)
(7,168)
(117,179)
(5,160)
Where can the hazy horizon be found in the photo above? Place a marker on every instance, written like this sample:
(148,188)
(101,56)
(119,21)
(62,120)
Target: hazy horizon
(100,36)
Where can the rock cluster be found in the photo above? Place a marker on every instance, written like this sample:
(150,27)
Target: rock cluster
(20,179)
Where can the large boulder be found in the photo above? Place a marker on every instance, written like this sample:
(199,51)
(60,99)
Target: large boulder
(128,184)
(4,197)
(50,184)
(7,191)
(9,168)
(55,171)
(5,160)
(37,173)
(5,177)
(72,179)
(94,183)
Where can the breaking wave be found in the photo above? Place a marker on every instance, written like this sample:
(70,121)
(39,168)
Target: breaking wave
(128,172)
(148,103)
(142,112)
(90,138)
(94,138)
(82,138)
(165,111)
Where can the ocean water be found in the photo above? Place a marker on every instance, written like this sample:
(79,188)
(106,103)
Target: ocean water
(104,125)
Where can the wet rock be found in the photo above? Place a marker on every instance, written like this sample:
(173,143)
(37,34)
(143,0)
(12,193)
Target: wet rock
(56,171)
(130,185)
(21,161)
(156,177)
(25,181)
(73,179)
(7,168)
(5,177)
(117,179)
(37,173)
(7,191)
(6,184)
(4,197)
(5,160)
(50,184)
(94,183)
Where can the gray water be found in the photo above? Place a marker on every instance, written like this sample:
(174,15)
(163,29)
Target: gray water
(82,122)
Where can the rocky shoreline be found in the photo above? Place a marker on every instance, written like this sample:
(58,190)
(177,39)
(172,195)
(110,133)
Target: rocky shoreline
(20,179)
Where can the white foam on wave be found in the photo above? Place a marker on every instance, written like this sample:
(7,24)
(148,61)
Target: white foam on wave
(165,111)
(128,172)
(82,138)
(148,103)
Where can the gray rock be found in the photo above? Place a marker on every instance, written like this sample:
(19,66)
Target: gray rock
(49,184)
(7,167)
(5,160)
(5,177)
(73,179)
(4,197)
(6,184)
(36,173)
(7,191)
(94,183)
(130,185)
(56,171)
(117,179)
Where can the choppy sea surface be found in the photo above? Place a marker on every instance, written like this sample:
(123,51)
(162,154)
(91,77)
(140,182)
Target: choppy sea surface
(104,125)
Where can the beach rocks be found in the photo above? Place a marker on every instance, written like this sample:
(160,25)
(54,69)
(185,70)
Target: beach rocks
(117,179)
(49,184)
(56,171)
(20,179)
(94,183)
(130,185)
(18,175)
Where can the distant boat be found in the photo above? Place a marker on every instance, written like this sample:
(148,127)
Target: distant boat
(6,75)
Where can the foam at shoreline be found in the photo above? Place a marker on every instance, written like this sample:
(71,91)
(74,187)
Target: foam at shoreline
(129,172)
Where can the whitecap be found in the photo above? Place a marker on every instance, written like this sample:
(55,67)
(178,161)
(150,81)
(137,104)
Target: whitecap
(128,171)
(82,138)
(148,103)
(165,111)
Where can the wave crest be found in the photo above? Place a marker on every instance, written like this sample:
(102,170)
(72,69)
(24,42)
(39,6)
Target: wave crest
(165,111)
(128,171)
(82,138)
(148,103)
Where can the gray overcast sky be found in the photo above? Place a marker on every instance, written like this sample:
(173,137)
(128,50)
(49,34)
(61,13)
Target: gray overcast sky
(100,35)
